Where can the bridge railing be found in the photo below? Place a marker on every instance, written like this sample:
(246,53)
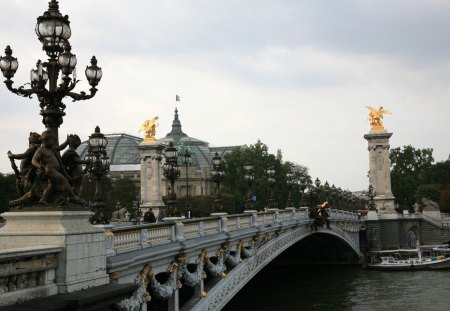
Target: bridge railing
(124,239)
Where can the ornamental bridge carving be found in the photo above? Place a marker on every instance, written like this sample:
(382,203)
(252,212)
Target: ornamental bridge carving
(201,264)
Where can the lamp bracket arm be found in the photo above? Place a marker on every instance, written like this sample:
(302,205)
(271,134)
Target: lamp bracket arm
(21,91)
(82,95)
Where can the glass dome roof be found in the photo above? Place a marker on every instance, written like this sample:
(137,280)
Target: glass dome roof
(121,149)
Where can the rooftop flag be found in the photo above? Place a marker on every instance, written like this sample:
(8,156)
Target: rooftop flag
(177,98)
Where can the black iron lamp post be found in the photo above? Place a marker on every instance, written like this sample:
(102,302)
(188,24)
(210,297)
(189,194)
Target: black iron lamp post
(53,31)
(217,175)
(326,187)
(187,155)
(271,181)
(171,172)
(290,183)
(248,177)
(317,182)
(316,191)
(98,166)
(302,186)
(333,195)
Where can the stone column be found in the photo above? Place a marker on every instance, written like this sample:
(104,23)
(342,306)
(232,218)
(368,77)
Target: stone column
(379,170)
(150,154)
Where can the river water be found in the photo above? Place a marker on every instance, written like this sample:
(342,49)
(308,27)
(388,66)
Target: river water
(340,287)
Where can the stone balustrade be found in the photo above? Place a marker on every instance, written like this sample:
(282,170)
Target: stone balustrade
(124,239)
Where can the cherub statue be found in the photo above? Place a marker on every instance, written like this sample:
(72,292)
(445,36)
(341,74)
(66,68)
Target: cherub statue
(72,162)
(27,172)
(375,117)
(51,169)
(149,127)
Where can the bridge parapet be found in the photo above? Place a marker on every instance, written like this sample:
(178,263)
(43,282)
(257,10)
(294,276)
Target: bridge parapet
(124,239)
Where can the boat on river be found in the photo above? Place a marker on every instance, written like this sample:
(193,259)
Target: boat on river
(407,259)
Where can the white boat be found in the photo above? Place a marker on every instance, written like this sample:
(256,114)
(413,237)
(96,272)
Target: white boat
(407,259)
(442,249)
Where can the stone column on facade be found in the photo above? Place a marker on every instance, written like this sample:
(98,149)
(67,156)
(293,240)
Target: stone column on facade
(150,155)
(379,170)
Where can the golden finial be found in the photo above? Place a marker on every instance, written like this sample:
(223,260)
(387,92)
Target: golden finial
(375,117)
(149,127)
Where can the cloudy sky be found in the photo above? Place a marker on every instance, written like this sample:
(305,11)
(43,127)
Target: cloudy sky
(295,74)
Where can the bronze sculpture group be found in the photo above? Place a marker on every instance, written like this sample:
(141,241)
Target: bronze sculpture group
(45,177)
(320,216)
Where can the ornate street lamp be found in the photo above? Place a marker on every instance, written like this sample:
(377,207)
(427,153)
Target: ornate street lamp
(186,156)
(326,187)
(171,172)
(333,195)
(271,181)
(53,31)
(302,186)
(290,183)
(316,191)
(248,177)
(317,183)
(98,166)
(217,175)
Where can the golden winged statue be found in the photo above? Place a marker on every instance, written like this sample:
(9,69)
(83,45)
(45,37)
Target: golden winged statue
(149,127)
(375,117)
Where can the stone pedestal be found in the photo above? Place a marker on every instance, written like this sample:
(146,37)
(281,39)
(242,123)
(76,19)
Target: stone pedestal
(151,155)
(379,170)
(82,262)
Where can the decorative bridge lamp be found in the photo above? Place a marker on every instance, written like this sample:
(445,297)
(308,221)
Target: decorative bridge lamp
(290,183)
(98,166)
(248,177)
(316,191)
(217,175)
(271,181)
(53,31)
(187,155)
(171,172)
(326,187)
(302,186)
(333,195)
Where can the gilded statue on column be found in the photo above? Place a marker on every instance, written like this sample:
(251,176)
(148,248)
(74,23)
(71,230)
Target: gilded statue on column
(376,116)
(149,128)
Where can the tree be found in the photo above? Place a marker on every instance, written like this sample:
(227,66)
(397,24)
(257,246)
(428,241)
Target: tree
(258,155)
(409,167)
(123,191)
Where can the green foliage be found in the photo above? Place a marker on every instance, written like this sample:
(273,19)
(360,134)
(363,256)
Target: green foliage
(259,156)
(122,190)
(409,166)
(430,192)
(438,173)
(7,190)
(201,206)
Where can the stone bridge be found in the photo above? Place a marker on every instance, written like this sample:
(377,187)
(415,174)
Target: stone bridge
(201,264)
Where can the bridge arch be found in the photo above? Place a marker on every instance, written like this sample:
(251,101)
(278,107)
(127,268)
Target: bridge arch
(238,277)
